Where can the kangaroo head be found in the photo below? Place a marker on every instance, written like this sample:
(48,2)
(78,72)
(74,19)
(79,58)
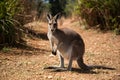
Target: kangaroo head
(52,22)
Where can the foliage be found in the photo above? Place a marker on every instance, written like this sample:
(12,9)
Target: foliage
(57,6)
(6,49)
(32,10)
(69,9)
(104,13)
(9,32)
(42,8)
(27,12)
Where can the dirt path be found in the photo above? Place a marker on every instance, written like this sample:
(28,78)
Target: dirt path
(102,54)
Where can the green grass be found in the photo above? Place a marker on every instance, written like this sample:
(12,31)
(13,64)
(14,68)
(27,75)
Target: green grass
(6,49)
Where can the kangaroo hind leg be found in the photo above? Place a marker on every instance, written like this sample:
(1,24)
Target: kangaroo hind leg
(70,57)
(61,61)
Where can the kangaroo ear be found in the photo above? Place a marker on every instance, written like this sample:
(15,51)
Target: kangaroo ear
(57,16)
(49,17)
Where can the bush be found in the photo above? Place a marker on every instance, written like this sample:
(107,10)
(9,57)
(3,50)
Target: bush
(69,8)
(9,27)
(104,13)
(57,6)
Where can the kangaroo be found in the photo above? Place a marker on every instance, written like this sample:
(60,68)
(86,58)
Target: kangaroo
(66,42)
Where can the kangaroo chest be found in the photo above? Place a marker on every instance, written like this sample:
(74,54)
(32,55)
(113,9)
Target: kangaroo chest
(64,46)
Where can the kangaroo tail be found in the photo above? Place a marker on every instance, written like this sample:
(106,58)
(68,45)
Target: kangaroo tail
(81,64)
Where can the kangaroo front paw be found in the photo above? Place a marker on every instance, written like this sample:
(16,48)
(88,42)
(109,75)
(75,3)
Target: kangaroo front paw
(69,69)
(53,52)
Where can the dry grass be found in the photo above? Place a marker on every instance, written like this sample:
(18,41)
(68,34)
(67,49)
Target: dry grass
(27,63)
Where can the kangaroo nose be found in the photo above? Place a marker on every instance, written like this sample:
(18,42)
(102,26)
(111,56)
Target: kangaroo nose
(52,30)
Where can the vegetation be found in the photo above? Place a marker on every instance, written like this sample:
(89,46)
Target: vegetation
(104,13)
(70,7)
(9,27)
(13,15)
(57,6)
(29,61)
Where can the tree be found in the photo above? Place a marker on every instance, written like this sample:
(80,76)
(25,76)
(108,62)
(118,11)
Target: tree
(57,6)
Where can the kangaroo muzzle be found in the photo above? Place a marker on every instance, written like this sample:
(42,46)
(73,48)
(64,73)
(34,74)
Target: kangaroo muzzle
(54,52)
(53,30)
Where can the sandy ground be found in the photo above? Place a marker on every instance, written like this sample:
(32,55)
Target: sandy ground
(27,63)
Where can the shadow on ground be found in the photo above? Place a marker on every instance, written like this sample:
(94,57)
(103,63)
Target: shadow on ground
(92,68)
(90,71)
(24,49)
(35,33)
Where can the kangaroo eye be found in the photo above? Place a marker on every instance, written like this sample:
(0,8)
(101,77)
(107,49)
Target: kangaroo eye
(49,23)
(55,24)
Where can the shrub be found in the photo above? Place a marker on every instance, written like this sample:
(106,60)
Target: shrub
(9,27)
(104,13)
